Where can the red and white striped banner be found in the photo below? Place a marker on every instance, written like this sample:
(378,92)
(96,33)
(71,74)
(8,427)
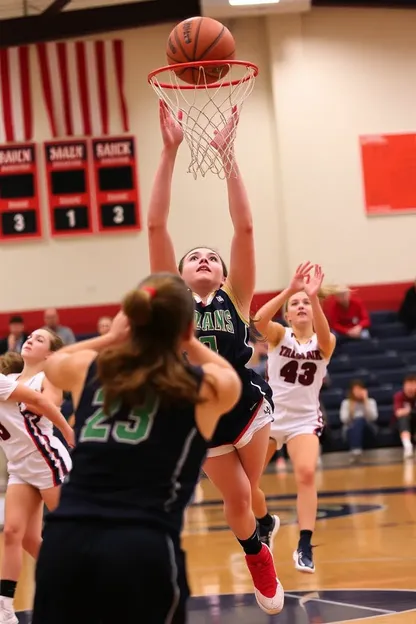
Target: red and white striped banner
(16,115)
(83,87)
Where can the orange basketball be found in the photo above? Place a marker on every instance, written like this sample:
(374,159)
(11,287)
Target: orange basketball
(200,39)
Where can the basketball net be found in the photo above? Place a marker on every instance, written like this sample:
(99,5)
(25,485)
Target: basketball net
(205,109)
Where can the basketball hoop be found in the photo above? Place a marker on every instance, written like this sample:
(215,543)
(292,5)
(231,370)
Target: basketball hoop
(206,108)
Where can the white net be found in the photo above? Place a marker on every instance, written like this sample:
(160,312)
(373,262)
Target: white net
(206,110)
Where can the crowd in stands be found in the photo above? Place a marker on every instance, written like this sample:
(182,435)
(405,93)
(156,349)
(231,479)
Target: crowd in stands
(369,396)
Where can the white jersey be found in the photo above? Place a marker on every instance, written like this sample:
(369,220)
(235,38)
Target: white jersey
(296,373)
(21,432)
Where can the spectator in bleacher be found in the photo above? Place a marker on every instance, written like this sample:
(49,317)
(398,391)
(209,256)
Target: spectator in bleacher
(358,413)
(51,320)
(405,413)
(16,337)
(407,311)
(104,325)
(347,315)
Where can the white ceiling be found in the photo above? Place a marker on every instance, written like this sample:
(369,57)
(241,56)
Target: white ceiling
(213,8)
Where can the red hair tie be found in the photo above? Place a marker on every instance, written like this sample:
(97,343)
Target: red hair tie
(149,289)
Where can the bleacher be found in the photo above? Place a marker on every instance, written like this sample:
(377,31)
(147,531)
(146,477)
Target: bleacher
(381,362)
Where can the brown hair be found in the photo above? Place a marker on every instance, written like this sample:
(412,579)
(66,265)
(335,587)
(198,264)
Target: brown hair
(182,260)
(410,377)
(160,311)
(55,342)
(11,362)
(354,383)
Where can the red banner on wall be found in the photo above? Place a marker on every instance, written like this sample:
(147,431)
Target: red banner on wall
(116,184)
(68,188)
(19,200)
(389,173)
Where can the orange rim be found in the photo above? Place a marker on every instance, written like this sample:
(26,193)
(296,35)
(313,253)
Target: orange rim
(196,65)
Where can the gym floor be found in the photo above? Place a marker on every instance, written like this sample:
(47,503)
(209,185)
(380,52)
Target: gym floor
(365,551)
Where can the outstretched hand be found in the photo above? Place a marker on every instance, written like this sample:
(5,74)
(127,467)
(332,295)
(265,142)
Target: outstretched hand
(223,139)
(171,129)
(298,281)
(313,282)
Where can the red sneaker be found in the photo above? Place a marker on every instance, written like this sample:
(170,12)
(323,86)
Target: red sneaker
(267,588)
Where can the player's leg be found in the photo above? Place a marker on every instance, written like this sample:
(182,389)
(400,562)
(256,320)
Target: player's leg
(271,450)
(227,473)
(66,589)
(32,540)
(22,502)
(251,456)
(304,452)
(138,573)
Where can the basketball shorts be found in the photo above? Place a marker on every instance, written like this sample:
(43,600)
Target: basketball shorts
(43,469)
(91,572)
(289,424)
(262,416)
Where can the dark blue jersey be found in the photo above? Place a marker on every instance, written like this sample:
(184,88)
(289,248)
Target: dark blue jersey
(140,465)
(221,327)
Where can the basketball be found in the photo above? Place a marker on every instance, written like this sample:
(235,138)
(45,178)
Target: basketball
(200,39)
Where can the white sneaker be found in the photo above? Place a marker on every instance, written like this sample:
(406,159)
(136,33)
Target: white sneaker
(407,454)
(7,614)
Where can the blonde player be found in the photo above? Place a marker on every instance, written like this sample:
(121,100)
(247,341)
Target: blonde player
(37,462)
(298,359)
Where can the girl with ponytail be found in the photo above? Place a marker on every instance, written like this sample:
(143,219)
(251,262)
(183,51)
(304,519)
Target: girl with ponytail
(297,362)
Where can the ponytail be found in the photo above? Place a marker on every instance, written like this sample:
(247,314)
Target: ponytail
(160,313)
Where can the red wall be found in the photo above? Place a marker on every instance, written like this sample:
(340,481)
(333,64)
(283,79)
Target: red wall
(84,319)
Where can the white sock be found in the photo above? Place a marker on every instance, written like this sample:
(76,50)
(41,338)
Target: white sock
(407,445)
(7,602)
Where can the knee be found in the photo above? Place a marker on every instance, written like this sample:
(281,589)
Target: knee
(239,501)
(12,534)
(305,475)
(32,543)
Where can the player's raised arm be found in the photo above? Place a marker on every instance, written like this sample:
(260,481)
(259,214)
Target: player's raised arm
(242,273)
(313,288)
(268,328)
(161,251)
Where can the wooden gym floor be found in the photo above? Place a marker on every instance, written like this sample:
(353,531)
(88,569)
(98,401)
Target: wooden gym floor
(365,550)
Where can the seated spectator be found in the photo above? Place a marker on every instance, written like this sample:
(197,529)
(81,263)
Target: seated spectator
(51,319)
(103,325)
(357,413)
(347,315)
(405,412)
(16,337)
(407,311)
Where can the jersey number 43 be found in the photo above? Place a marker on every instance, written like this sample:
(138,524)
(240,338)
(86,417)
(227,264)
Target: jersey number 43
(304,374)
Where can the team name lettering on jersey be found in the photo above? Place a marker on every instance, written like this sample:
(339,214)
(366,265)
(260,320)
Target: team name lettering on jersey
(291,353)
(219,320)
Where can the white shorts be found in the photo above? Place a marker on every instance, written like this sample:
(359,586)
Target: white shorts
(263,417)
(288,425)
(42,470)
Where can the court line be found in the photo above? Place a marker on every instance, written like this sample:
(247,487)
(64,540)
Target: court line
(283,563)
(321,495)
(345,604)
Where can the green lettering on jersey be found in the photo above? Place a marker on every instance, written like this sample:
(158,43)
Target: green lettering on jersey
(219,321)
(99,426)
(228,322)
(207,324)
(197,319)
